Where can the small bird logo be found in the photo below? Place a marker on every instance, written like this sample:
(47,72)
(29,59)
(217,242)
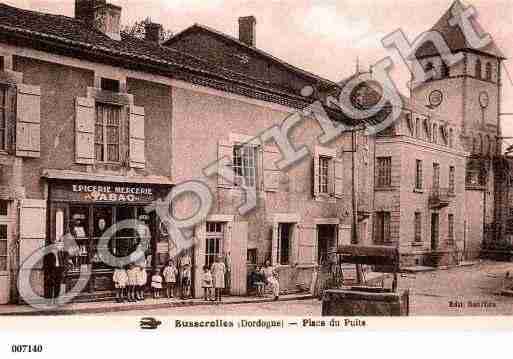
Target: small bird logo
(149,323)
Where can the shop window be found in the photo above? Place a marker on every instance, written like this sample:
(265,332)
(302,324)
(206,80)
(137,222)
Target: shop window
(384,172)
(214,242)
(79,227)
(245,164)
(107,132)
(382,228)
(284,242)
(252,257)
(3,248)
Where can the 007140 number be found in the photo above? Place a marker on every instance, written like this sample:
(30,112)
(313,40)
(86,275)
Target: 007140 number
(26,348)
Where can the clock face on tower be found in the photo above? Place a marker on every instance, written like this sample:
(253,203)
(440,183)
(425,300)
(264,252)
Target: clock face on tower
(484,100)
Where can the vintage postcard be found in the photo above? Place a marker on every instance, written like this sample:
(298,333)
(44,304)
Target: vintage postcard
(278,165)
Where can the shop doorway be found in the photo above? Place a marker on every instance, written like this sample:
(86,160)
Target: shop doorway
(326,241)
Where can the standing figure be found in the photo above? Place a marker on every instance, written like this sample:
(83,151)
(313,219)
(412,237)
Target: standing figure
(186,282)
(218,274)
(170,273)
(133,274)
(156,284)
(271,278)
(57,264)
(143,280)
(120,279)
(206,283)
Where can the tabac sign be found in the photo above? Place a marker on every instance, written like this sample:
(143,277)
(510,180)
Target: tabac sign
(102,192)
(112,193)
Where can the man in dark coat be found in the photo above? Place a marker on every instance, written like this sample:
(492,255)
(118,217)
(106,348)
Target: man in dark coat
(57,264)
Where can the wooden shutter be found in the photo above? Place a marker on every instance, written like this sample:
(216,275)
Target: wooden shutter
(307,240)
(239,252)
(84,130)
(274,244)
(344,235)
(28,123)
(315,173)
(137,137)
(32,227)
(199,258)
(225,162)
(338,179)
(271,156)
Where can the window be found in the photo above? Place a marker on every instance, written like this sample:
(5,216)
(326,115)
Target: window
(488,71)
(434,231)
(382,228)
(436,176)
(479,69)
(418,227)
(284,233)
(452,171)
(213,247)
(110,85)
(2,63)
(245,164)
(3,248)
(252,256)
(324,174)
(450,232)
(384,172)
(418,175)
(107,133)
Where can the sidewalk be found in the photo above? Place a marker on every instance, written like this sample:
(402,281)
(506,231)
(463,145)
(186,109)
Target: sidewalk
(148,304)
(421,269)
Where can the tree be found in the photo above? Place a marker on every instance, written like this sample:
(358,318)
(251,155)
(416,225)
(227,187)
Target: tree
(138,30)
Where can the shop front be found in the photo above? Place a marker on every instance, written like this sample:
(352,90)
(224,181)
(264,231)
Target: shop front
(85,210)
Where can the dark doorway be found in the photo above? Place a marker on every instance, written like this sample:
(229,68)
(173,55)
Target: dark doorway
(435,231)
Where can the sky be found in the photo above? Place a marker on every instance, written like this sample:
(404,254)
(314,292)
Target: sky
(325,37)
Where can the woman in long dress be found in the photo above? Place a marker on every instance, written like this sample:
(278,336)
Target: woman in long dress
(271,280)
(218,273)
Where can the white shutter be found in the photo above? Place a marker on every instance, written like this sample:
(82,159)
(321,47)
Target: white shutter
(32,227)
(271,172)
(137,137)
(28,123)
(338,177)
(307,244)
(225,165)
(238,252)
(84,130)
(344,235)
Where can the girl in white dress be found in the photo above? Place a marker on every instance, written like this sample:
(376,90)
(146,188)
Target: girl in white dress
(218,272)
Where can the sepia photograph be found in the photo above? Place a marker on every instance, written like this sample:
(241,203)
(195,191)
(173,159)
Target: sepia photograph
(277,165)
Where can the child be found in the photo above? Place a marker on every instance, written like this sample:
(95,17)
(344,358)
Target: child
(156,284)
(143,279)
(170,273)
(206,283)
(132,274)
(260,282)
(120,279)
(186,281)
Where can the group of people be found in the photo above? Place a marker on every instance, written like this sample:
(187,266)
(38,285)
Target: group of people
(265,277)
(213,280)
(130,283)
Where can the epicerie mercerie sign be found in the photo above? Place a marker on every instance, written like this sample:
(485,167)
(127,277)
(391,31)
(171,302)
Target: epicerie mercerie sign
(112,193)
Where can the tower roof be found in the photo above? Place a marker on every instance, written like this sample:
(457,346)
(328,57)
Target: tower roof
(455,37)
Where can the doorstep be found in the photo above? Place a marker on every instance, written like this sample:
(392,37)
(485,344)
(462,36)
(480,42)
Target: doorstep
(148,304)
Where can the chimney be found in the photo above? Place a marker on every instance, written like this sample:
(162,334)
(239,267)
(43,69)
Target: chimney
(153,32)
(100,15)
(247,28)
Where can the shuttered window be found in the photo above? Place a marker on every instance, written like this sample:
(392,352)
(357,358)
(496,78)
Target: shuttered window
(324,174)
(418,227)
(384,172)
(107,133)
(418,175)
(245,164)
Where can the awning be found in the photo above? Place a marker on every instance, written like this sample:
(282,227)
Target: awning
(96,177)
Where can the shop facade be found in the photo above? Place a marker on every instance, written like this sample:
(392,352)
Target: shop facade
(87,211)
